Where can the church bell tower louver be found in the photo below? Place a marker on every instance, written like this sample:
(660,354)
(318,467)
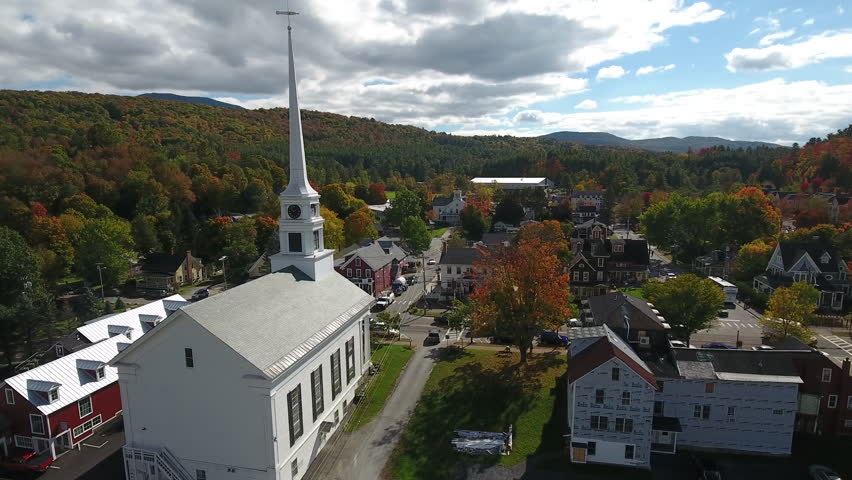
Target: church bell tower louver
(300,228)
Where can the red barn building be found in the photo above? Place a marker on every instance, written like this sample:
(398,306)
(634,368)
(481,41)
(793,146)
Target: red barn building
(55,406)
(372,267)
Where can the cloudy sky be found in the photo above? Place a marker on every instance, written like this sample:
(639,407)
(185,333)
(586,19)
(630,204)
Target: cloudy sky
(758,70)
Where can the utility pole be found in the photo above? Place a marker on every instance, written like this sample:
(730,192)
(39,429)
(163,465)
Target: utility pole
(224,277)
(101,276)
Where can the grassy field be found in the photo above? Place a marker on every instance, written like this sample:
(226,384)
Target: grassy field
(392,359)
(636,292)
(439,231)
(479,390)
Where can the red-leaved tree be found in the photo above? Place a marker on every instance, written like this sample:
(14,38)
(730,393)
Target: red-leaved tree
(522,290)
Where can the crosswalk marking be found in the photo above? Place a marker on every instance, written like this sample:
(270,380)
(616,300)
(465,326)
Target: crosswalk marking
(838,342)
(731,324)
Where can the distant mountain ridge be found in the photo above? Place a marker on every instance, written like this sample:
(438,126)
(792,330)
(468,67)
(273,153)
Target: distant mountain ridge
(664,144)
(201,100)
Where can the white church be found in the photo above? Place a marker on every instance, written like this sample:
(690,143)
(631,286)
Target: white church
(251,383)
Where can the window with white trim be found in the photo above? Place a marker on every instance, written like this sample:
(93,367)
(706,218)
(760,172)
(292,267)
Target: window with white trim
(24,442)
(37,424)
(90,424)
(84,406)
(624,425)
(832,401)
(357,273)
(826,375)
(53,395)
(316,392)
(357,262)
(585,276)
(576,276)
(100,373)
(618,248)
(368,273)
(294,407)
(60,350)
(600,262)
(10,396)
(336,384)
(600,276)
(294,468)
(701,411)
(350,360)
(348,272)
(625,398)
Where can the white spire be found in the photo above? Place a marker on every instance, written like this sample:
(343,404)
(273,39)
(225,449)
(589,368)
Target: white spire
(299,185)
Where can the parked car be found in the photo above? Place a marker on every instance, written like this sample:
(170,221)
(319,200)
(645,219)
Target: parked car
(25,461)
(678,344)
(671,275)
(378,326)
(385,300)
(821,472)
(707,468)
(431,261)
(718,345)
(763,347)
(155,294)
(723,314)
(200,295)
(433,338)
(552,339)
(574,323)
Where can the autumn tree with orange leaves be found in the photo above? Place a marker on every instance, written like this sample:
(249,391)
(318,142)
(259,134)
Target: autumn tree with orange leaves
(523,289)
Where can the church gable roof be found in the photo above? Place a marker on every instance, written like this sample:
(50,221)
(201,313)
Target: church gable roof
(274,321)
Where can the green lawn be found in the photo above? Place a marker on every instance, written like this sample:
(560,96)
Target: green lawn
(636,292)
(390,194)
(392,359)
(439,231)
(479,390)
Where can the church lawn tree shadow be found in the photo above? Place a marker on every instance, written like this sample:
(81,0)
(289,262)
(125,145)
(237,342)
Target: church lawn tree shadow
(478,390)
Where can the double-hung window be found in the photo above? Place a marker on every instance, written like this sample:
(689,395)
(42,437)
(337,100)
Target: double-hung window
(701,411)
(336,385)
(599,422)
(599,396)
(10,396)
(316,392)
(37,424)
(190,361)
(624,425)
(350,360)
(629,452)
(832,401)
(616,374)
(84,406)
(826,375)
(294,407)
(625,398)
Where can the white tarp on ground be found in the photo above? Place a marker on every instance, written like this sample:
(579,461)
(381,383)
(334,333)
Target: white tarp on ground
(483,443)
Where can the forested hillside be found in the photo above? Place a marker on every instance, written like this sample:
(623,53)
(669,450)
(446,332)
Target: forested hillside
(158,174)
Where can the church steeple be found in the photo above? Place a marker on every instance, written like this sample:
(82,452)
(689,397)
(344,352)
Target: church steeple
(299,184)
(300,228)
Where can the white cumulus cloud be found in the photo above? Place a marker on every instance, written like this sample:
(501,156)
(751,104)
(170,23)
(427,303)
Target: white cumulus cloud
(651,69)
(773,111)
(809,21)
(804,52)
(694,39)
(613,71)
(586,105)
(840,10)
(774,37)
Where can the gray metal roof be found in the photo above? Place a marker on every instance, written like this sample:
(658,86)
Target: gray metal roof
(276,319)
(89,364)
(748,377)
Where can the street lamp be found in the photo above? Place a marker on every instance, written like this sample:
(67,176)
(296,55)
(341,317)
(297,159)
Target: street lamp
(224,277)
(101,276)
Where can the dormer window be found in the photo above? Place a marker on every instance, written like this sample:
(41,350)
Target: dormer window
(90,370)
(100,373)
(60,350)
(618,248)
(46,389)
(114,330)
(53,395)
(825,258)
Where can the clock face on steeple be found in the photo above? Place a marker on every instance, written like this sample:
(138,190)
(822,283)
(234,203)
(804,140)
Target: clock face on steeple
(294,211)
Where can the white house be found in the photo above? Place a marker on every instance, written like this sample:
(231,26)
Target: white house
(456,275)
(251,383)
(448,209)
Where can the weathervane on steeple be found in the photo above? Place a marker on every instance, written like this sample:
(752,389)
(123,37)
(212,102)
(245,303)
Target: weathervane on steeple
(289,14)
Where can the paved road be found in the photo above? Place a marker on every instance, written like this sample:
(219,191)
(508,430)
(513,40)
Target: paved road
(362,455)
(739,322)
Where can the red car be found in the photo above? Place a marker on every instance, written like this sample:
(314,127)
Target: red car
(26,461)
